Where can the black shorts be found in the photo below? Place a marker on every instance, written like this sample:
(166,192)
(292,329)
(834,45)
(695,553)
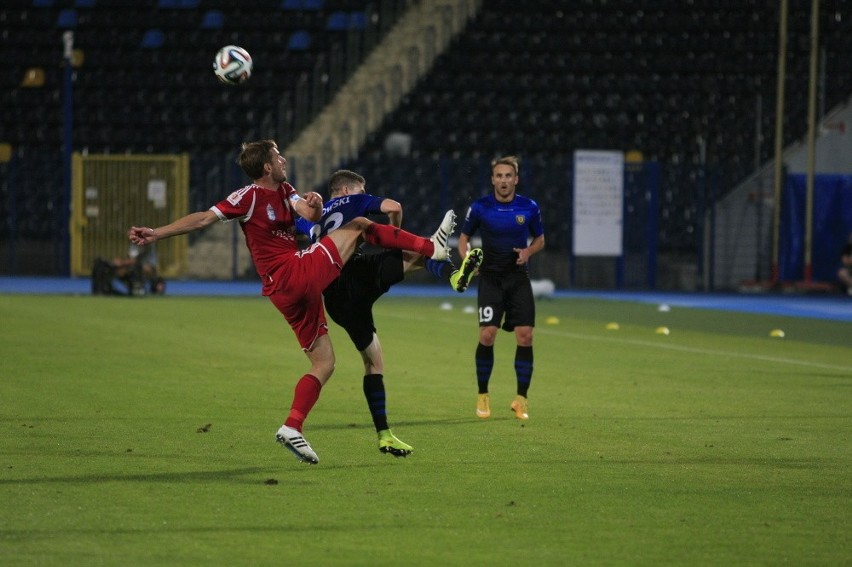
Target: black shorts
(506,295)
(364,279)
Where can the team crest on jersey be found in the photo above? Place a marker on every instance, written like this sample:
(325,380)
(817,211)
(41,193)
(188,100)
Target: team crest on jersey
(520,219)
(270,212)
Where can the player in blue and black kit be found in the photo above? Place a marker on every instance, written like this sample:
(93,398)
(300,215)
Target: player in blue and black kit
(511,230)
(367,276)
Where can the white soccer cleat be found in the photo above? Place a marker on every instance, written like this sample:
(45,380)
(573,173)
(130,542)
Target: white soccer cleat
(441,238)
(293,441)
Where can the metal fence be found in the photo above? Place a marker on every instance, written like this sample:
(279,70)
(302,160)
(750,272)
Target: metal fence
(110,193)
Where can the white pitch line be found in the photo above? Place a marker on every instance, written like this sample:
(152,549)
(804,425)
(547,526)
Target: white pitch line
(761,357)
(662,345)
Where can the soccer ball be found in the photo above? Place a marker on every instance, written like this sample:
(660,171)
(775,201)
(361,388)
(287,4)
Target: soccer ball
(232,65)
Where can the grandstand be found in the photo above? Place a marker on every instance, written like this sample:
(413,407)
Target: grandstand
(687,85)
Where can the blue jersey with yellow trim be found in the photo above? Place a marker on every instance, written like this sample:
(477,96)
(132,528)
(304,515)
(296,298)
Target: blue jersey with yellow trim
(503,227)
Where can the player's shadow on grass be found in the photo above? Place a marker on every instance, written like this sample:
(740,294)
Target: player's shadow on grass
(408,423)
(176,477)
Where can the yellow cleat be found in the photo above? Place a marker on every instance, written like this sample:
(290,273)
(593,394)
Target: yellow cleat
(520,407)
(389,443)
(483,406)
(460,279)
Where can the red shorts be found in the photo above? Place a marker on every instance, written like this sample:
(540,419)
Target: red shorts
(297,286)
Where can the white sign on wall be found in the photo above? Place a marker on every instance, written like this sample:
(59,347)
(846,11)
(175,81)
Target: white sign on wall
(598,203)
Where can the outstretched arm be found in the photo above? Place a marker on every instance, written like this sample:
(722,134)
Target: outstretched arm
(143,235)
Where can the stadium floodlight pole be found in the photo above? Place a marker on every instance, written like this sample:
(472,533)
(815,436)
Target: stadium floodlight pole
(812,95)
(67,131)
(758,211)
(779,138)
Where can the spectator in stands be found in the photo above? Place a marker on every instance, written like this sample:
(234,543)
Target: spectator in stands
(844,274)
(507,222)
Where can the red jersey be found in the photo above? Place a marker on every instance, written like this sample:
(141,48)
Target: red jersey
(267,218)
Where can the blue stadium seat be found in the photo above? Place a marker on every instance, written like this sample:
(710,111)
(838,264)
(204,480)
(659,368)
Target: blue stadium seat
(357,20)
(212,20)
(178,4)
(301,5)
(337,21)
(153,39)
(299,41)
(67,19)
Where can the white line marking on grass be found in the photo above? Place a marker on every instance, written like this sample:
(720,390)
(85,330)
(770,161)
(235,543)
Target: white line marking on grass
(761,357)
(662,345)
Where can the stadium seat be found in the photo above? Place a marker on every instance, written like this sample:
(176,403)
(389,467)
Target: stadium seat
(298,5)
(299,41)
(33,78)
(178,4)
(212,19)
(153,39)
(337,21)
(67,19)
(357,21)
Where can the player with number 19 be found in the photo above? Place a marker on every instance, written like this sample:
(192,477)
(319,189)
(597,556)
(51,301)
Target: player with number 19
(512,231)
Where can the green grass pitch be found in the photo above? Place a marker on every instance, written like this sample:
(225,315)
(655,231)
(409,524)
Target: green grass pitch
(141,432)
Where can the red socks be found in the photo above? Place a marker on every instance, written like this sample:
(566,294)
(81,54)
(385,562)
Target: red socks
(388,236)
(307,393)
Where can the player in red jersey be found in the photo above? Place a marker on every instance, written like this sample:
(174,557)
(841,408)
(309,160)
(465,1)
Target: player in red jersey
(294,279)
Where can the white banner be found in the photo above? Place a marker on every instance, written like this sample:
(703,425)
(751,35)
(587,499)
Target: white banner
(598,203)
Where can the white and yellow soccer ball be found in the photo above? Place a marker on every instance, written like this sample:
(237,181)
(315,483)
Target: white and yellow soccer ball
(232,65)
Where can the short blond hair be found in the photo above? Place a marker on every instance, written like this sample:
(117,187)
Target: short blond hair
(505,160)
